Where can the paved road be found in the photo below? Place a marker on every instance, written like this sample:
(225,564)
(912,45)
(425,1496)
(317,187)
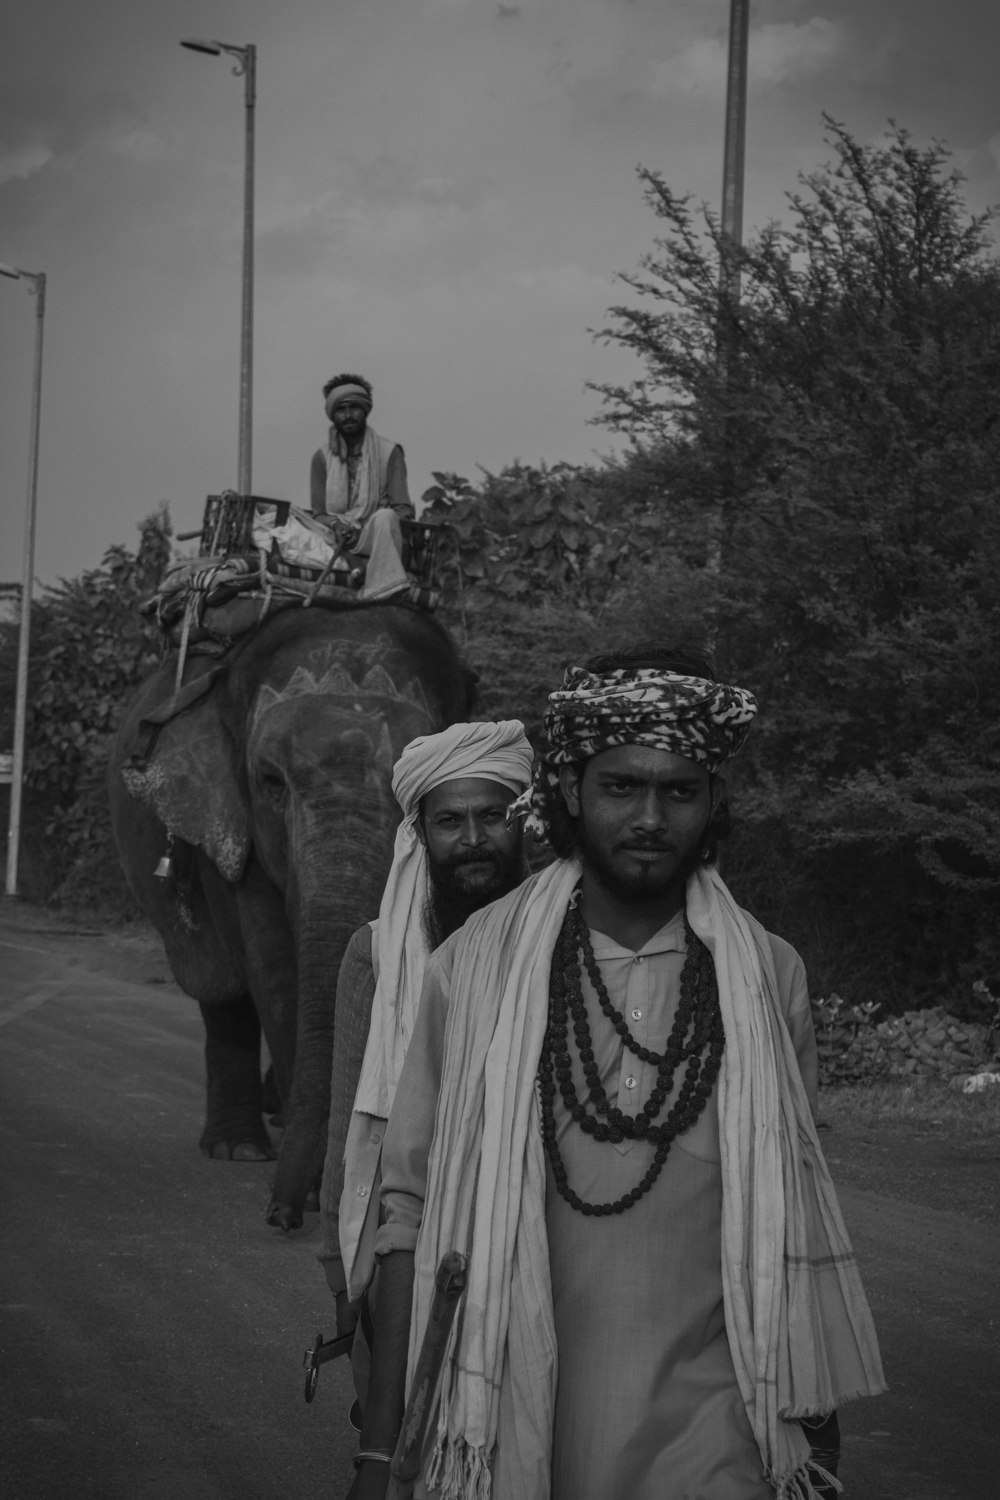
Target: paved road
(151,1325)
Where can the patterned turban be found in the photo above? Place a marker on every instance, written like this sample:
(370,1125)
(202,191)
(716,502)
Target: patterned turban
(490,752)
(340,394)
(704,721)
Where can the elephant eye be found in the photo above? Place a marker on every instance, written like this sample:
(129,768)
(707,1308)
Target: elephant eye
(273,785)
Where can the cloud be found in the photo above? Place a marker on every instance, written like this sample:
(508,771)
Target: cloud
(700,68)
(779,53)
(380,222)
(139,144)
(21,162)
(629,78)
(980,167)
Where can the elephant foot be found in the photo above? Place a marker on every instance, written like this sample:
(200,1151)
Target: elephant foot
(237,1141)
(239,1151)
(283,1216)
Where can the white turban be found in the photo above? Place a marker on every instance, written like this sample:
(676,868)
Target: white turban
(489,752)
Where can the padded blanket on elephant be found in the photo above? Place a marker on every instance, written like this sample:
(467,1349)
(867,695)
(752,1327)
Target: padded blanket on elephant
(206,603)
(153,720)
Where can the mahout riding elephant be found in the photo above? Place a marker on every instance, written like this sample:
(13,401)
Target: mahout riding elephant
(271,793)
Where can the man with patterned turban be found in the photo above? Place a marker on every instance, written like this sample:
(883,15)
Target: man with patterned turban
(358,486)
(455,851)
(607,1106)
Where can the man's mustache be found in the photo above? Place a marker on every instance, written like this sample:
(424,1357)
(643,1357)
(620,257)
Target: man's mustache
(486,857)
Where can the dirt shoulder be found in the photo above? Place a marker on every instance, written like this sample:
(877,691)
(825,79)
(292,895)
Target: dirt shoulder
(947,1161)
(131,951)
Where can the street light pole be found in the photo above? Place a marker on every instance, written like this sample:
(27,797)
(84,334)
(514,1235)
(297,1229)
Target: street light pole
(246,322)
(734,149)
(36,279)
(246,67)
(730,241)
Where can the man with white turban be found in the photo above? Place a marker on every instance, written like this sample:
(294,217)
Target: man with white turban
(455,851)
(358,487)
(607,1107)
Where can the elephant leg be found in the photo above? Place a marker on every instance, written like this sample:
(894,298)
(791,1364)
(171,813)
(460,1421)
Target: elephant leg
(234,1127)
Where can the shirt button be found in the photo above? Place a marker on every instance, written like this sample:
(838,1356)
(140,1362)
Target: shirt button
(375,1138)
(362,1191)
(637,1015)
(640,959)
(630,1082)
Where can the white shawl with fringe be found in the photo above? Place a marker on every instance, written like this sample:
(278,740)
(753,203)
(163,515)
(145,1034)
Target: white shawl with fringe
(373,464)
(799,1328)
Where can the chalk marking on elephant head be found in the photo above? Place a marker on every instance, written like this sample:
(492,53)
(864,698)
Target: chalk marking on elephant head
(335,682)
(378,647)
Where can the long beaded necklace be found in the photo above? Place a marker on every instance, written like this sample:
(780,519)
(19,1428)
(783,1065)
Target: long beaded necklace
(696,1039)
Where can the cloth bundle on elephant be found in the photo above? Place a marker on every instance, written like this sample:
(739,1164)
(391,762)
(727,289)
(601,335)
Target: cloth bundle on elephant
(272,789)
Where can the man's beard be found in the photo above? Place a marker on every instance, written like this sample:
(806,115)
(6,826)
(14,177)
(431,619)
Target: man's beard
(641,884)
(452,898)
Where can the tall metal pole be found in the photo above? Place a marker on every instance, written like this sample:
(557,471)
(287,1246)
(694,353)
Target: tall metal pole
(734,150)
(246,325)
(733,165)
(246,67)
(37,278)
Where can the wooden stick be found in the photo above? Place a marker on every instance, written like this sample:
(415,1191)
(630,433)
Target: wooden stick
(449,1284)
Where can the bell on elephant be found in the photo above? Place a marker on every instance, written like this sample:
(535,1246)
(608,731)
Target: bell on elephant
(165,868)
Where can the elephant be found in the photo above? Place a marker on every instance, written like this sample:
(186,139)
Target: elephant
(271,793)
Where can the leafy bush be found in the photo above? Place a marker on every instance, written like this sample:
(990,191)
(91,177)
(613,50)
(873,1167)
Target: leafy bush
(90,648)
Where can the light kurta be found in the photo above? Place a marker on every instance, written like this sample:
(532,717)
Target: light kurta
(647,1405)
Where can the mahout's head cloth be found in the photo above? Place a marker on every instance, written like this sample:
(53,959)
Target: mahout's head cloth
(348,392)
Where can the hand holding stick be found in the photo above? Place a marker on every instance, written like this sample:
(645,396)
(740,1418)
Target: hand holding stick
(449,1284)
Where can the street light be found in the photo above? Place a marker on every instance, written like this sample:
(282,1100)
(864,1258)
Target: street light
(246,67)
(734,149)
(36,280)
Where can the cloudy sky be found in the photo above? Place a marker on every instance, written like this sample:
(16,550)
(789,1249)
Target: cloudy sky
(445,190)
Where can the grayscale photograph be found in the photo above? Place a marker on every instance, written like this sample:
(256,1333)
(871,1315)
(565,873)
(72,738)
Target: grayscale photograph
(500,750)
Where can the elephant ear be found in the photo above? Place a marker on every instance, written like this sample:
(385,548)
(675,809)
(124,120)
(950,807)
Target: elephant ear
(190,781)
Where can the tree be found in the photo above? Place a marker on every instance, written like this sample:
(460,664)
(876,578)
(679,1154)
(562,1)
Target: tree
(541,567)
(837,423)
(90,647)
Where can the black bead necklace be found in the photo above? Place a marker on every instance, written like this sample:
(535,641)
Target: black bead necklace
(696,1039)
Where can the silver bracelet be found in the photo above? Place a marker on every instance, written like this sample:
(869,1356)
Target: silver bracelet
(373,1454)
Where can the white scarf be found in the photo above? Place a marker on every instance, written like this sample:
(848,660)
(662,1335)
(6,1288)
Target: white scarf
(494,752)
(799,1327)
(370,477)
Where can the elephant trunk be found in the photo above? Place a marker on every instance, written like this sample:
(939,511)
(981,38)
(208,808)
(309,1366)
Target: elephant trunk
(331,906)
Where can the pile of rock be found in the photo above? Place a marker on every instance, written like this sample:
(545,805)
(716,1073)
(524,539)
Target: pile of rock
(932,1044)
(854,1048)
